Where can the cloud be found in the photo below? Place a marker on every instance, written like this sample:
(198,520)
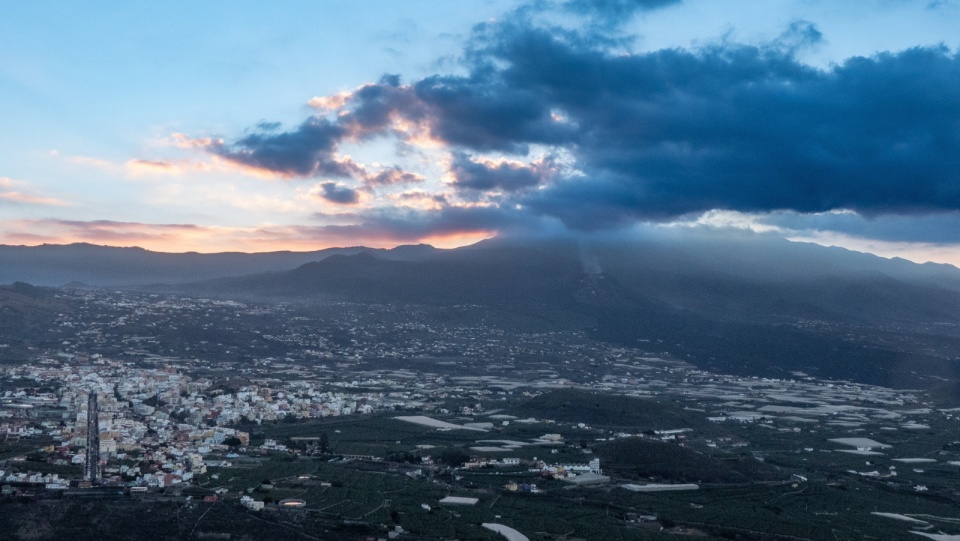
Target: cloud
(655,136)
(109,228)
(485,174)
(800,35)
(150,166)
(182,140)
(92,162)
(30,199)
(94,231)
(614,12)
(336,192)
(170,237)
(142,167)
(920,238)
(451,226)
(937,228)
(478,115)
(672,132)
(420,199)
(329,103)
(12,192)
(392,176)
(409,224)
(309,150)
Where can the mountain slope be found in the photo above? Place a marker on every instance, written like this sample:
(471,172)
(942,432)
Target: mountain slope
(733,303)
(55,265)
(840,316)
(367,278)
(777,282)
(25,312)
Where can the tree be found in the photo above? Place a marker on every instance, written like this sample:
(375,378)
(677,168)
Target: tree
(232,441)
(324,442)
(453,457)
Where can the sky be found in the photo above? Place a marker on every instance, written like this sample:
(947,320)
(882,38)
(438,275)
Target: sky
(250,126)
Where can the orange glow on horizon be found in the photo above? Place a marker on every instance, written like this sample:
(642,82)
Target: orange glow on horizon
(178,247)
(209,240)
(457,240)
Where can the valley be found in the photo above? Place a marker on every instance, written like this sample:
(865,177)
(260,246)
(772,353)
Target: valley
(252,404)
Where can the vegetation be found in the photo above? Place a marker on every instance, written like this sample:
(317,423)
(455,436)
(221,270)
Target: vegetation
(611,411)
(639,458)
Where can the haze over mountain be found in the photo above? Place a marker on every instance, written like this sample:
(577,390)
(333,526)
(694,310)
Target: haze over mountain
(732,302)
(732,277)
(89,264)
(737,303)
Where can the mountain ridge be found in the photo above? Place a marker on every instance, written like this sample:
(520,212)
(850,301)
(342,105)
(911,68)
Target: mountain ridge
(734,304)
(108,266)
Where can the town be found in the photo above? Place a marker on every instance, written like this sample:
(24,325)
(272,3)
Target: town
(274,408)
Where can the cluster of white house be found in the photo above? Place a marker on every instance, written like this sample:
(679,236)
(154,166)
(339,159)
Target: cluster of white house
(157,415)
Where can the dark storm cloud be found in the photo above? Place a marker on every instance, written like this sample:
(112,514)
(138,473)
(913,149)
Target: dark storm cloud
(401,224)
(373,106)
(661,134)
(308,150)
(614,10)
(338,193)
(589,205)
(506,176)
(447,220)
(671,132)
(485,113)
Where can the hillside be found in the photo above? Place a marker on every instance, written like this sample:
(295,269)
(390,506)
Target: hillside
(734,305)
(56,265)
(742,304)
(766,281)
(25,312)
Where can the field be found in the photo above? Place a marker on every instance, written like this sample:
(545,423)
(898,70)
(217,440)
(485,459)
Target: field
(746,492)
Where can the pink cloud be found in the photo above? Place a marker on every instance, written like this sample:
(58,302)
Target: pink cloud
(93,162)
(330,103)
(13,193)
(182,140)
(141,167)
(28,199)
(210,239)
